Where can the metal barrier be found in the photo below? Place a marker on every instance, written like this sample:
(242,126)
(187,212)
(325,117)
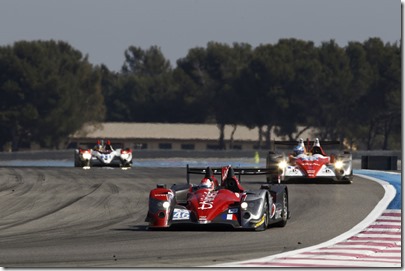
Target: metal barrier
(379,162)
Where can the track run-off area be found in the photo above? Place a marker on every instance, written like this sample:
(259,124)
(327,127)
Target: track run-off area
(374,242)
(69,217)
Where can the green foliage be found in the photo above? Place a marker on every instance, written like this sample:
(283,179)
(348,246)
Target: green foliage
(49,90)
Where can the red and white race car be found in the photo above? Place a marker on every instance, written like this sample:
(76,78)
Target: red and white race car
(308,163)
(212,204)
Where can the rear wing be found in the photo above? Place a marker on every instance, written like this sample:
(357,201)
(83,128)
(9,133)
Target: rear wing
(218,171)
(308,143)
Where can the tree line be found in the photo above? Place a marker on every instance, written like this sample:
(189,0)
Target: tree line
(353,94)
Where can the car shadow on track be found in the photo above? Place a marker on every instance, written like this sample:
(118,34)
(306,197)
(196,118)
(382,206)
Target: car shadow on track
(306,181)
(132,228)
(315,181)
(216,228)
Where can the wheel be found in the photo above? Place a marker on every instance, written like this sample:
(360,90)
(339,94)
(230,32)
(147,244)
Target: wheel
(348,179)
(266,216)
(77,161)
(273,179)
(272,161)
(86,163)
(284,211)
(125,165)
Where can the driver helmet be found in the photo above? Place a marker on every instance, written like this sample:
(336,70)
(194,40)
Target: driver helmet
(97,147)
(298,150)
(206,183)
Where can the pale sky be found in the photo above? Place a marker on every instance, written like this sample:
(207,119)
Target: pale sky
(104,29)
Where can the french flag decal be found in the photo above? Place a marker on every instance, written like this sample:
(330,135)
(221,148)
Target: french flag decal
(229,217)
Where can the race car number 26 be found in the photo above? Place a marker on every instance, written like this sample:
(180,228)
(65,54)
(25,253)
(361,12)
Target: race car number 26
(180,214)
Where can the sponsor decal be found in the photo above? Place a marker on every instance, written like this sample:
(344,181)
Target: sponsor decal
(229,217)
(233,211)
(206,201)
(309,158)
(169,195)
(311,164)
(105,157)
(273,210)
(278,214)
(203,220)
(224,172)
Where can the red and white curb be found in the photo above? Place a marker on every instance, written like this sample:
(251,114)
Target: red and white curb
(379,245)
(374,242)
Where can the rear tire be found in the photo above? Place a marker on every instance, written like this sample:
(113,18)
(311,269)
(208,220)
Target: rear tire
(273,179)
(272,161)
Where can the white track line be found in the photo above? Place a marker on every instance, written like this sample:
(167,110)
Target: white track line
(354,248)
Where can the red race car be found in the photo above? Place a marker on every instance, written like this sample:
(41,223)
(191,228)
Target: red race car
(309,163)
(218,203)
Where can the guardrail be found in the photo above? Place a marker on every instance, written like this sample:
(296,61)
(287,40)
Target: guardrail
(379,162)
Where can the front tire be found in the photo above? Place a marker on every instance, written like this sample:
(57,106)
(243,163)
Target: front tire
(77,163)
(284,211)
(266,216)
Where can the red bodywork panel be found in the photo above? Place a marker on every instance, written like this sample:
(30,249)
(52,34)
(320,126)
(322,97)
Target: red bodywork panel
(311,164)
(160,194)
(126,151)
(207,205)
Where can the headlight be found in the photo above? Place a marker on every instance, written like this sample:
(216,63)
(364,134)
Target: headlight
(339,165)
(86,155)
(250,204)
(166,204)
(125,156)
(282,164)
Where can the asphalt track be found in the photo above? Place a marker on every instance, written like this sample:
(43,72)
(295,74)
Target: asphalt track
(70,217)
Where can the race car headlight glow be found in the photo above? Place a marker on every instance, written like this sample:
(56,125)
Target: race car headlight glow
(244,205)
(339,164)
(166,204)
(282,164)
(86,155)
(124,156)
